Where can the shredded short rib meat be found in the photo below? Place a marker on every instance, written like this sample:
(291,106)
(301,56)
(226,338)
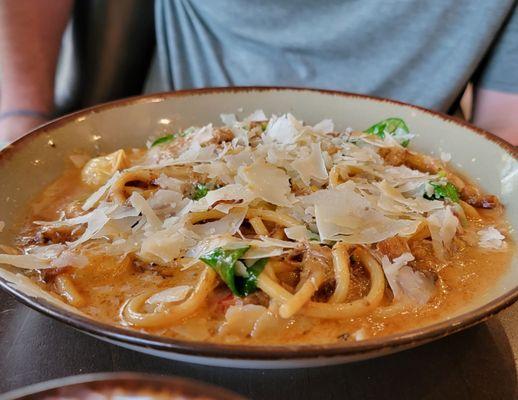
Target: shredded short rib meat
(393,155)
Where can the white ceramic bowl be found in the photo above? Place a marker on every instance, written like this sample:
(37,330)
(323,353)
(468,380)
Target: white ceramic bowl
(34,161)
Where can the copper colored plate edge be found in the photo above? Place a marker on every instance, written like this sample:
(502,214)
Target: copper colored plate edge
(383,344)
(125,380)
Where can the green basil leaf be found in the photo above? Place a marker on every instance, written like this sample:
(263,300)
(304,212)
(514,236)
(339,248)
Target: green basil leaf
(163,139)
(389,126)
(250,283)
(224,262)
(447,191)
(200,191)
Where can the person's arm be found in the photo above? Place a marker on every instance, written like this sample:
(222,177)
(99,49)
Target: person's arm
(495,99)
(497,112)
(30,38)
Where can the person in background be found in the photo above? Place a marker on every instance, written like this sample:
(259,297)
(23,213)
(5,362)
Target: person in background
(410,50)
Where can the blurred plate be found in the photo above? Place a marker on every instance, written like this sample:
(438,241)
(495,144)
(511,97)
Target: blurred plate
(121,386)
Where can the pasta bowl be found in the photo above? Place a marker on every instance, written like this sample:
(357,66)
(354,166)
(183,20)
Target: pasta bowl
(37,159)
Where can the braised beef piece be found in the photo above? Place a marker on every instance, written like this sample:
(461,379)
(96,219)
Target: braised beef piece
(393,247)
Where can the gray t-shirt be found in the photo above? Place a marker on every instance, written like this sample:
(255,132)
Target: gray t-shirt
(422,52)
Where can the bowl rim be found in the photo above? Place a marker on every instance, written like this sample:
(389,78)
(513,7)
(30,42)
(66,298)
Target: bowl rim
(135,379)
(388,343)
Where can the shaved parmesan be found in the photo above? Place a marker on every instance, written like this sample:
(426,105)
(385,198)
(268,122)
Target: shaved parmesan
(166,182)
(227,197)
(99,193)
(143,206)
(240,136)
(209,244)
(228,119)
(404,178)
(257,115)
(406,283)
(162,246)
(283,130)
(443,225)
(268,241)
(194,154)
(203,134)
(51,256)
(216,169)
(393,200)
(416,286)
(170,295)
(121,212)
(344,214)
(167,202)
(197,153)
(82,219)
(240,269)
(255,253)
(300,233)
(234,161)
(312,166)
(228,224)
(265,247)
(491,238)
(70,259)
(324,126)
(96,222)
(267,182)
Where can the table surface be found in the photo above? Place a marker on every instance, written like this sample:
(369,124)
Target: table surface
(479,363)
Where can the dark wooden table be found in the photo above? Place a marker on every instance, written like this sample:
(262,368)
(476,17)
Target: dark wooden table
(480,363)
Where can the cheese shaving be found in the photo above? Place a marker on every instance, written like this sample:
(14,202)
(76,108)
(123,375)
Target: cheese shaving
(443,225)
(224,199)
(312,166)
(99,193)
(139,203)
(283,130)
(491,238)
(406,284)
(267,182)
